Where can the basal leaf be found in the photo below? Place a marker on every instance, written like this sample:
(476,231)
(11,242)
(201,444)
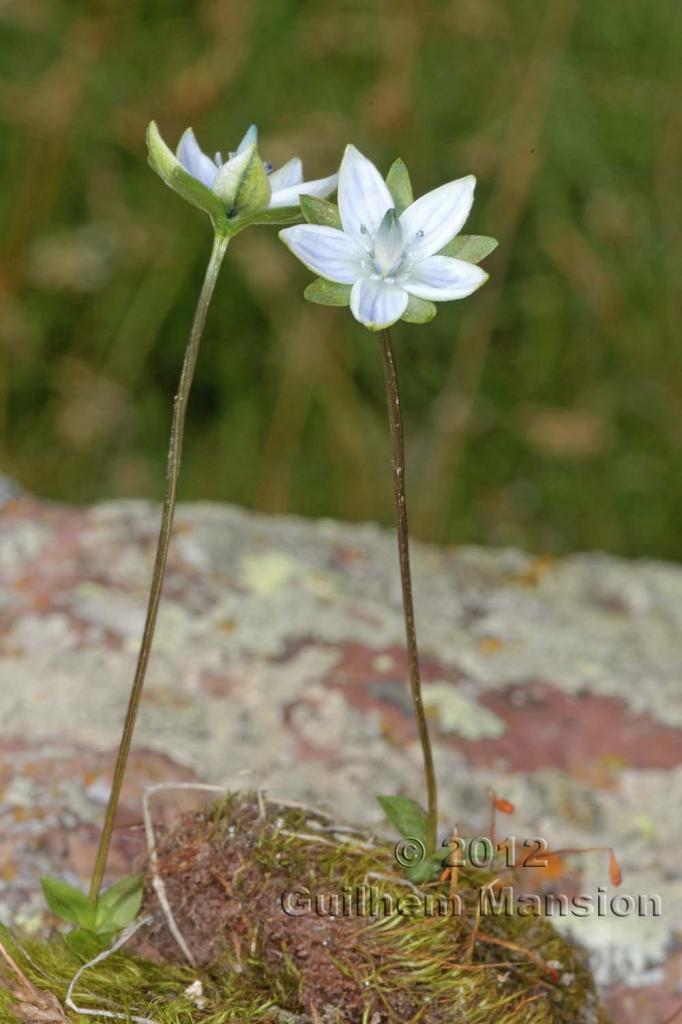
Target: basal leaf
(405,814)
(427,870)
(119,905)
(68,903)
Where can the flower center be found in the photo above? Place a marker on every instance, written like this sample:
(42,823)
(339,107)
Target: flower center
(388,258)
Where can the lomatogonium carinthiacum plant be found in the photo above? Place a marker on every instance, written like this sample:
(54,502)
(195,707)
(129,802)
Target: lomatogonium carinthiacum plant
(235,193)
(391,258)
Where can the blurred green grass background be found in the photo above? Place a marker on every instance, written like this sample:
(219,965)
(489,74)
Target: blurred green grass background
(545,411)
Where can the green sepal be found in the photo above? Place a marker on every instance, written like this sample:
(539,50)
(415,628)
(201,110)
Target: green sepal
(419,311)
(171,171)
(472,248)
(242,184)
(320,211)
(405,814)
(282,215)
(327,293)
(399,185)
(68,903)
(119,905)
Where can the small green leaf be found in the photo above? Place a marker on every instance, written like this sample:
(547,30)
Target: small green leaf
(399,185)
(328,293)
(120,904)
(419,311)
(320,211)
(68,903)
(407,816)
(171,171)
(427,869)
(472,248)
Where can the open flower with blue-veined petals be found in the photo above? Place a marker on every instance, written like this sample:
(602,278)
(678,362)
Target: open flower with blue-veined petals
(389,257)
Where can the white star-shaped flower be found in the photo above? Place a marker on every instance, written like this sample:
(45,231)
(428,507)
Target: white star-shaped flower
(286,183)
(388,257)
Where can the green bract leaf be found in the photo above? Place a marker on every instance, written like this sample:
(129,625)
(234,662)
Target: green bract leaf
(399,185)
(419,311)
(320,211)
(407,816)
(171,171)
(242,183)
(68,903)
(328,293)
(119,905)
(472,248)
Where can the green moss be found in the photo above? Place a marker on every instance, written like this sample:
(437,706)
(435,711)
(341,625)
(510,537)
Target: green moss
(464,967)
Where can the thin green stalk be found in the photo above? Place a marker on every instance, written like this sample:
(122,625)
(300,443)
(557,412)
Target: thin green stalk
(398,460)
(220,243)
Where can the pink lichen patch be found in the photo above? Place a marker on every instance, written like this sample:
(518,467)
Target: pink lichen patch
(658,1001)
(549,728)
(375,678)
(41,562)
(224,685)
(586,735)
(369,680)
(359,664)
(346,555)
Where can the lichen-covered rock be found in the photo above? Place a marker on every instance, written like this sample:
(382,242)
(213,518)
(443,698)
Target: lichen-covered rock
(280,662)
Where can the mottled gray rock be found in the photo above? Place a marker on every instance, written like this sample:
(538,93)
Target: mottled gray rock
(279,661)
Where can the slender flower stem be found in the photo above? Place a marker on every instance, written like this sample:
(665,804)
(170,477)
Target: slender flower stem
(172,473)
(398,460)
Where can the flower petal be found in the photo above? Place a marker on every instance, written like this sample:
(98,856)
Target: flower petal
(250,136)
(321,187)
(431,221)
(377,304)
(194,160)
(290,174)
(364,197)
(441,278)
(326,251)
